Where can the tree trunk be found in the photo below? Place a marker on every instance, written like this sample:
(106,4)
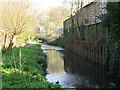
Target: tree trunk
(78,30)
(11,43)
(4,46)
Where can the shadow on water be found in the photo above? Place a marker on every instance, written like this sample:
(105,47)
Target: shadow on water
(71,71)
(84,68)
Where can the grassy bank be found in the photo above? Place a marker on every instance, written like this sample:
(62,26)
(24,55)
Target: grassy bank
(24,67)
(56,43)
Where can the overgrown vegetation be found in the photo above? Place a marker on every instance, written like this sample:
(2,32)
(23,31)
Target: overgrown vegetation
(112,25)
(24,67)
(57,42)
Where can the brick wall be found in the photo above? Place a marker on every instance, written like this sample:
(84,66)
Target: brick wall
(87,39)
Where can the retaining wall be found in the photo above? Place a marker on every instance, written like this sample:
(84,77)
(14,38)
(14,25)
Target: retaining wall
(84,33)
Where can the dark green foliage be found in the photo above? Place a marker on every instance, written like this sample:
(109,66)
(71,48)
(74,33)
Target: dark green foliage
(56,43)
(31,74)
(112,24)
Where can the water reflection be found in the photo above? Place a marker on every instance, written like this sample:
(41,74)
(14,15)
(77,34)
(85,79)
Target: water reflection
(57,73)
(71,70)
(84,68)
(55,62)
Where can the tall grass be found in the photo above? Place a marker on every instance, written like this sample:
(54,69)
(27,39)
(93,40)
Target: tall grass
(24,67)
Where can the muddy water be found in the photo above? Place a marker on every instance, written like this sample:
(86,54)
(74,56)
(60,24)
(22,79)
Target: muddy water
(69,70)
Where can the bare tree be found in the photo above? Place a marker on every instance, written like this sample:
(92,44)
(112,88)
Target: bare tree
(75,6)
(16,18)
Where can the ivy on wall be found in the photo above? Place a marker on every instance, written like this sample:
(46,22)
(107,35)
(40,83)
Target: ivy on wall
(112,25)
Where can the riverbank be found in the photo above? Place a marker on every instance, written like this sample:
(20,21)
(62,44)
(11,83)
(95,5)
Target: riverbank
(24,67)
(57,42)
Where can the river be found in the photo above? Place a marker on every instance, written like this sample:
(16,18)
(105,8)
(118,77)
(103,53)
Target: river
(68,69)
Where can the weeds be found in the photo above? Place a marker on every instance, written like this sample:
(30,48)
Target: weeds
(21,68)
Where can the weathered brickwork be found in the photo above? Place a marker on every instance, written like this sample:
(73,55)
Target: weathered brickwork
(88,15)
(85,24)
(84,33)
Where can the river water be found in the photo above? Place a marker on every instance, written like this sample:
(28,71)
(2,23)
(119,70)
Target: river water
(69,69)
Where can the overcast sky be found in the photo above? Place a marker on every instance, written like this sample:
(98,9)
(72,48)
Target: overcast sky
(44,4)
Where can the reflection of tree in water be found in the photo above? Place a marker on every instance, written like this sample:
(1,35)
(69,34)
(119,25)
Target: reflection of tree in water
(55,62)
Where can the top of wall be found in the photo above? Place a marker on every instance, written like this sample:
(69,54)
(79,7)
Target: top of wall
(92,13)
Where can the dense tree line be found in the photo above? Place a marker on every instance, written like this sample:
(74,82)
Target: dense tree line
(52,19)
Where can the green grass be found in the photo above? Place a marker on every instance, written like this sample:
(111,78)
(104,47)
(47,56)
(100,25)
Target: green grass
(30,74)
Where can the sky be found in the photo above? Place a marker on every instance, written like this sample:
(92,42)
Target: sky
(45,4)
(40,4)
